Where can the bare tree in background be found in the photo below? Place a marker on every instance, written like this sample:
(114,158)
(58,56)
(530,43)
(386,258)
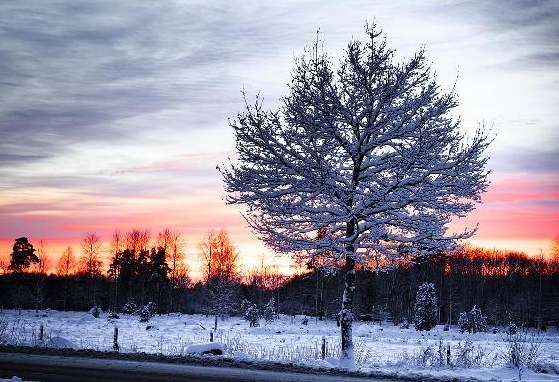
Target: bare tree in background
(40,269)
(173,244)
(91,263)
(116,250)
(368,152)
(66,267)
(220,269)
(137,240)
(218,255)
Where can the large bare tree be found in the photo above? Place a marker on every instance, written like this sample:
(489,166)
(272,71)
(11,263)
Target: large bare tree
(368,153)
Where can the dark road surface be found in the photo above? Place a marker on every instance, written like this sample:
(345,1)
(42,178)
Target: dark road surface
(76,369)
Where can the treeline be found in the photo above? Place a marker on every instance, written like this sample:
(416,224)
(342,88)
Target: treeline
(508,287)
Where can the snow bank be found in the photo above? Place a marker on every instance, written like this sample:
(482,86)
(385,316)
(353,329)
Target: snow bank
(214,348)
(193,324)
(60,342)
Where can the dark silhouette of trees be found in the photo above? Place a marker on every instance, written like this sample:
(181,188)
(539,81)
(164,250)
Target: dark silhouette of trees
(507,286)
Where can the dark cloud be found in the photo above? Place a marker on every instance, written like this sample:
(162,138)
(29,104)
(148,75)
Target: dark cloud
(70,70)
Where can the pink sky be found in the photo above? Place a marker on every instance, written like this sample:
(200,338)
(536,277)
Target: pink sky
(516,213)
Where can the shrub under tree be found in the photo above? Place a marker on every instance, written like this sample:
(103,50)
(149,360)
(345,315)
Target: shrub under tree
(425,309)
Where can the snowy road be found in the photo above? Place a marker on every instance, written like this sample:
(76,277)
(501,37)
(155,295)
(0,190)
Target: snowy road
(73,369)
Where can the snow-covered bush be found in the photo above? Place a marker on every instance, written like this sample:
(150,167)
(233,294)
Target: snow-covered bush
(130,307)
(472,321)
(151,307)
(305,320)
(425,309)
(252,315)
(405,325)
(95,311)
(270,313)
(114,316)
(147,312)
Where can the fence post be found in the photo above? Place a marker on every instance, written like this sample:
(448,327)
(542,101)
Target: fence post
(323,347)
(115,340)
(41,333)
(448,353)
(215,323)
(211,336)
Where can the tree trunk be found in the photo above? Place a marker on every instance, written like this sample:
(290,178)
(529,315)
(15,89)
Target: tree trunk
(347,360)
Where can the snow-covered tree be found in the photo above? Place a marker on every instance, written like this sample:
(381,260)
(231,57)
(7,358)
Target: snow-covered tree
(472,321)
(367,152)
(425,308)
(270,313)
(252,315)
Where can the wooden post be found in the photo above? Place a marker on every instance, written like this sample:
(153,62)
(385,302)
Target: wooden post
(215,324)
(211,336)
(323,347)
(41,332)
(115,340)
(448,353)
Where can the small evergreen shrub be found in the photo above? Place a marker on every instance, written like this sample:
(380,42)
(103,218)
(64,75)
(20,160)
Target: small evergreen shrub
(152,308)
(130,307)
(270,313)
(145,314)
(472,321)
(95,311)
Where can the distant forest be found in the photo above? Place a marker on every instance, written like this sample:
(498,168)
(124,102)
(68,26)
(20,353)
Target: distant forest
(508,286)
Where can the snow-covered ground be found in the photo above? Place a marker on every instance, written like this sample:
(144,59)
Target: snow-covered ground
(383,348)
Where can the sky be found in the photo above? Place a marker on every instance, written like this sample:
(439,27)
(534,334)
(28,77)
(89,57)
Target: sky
(115,114)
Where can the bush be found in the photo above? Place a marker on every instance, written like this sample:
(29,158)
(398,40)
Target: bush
(472,321)
(405,325)
(425,309)
(145,314)
(152,308)
(521,351)
(130,307)
(95,311)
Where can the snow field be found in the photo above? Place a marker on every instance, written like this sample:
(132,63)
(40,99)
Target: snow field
(386,348)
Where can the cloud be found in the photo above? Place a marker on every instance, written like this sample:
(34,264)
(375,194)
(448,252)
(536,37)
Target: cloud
(527,29)
(70,72)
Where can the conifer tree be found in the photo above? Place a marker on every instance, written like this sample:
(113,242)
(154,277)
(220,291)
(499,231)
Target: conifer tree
(425,309)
